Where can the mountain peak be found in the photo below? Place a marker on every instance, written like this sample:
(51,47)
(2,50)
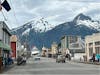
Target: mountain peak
(81,16)
(42,25)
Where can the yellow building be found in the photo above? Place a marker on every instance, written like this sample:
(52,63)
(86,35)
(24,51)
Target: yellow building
(44,51)
(92,45)
(54,48)
(15,46)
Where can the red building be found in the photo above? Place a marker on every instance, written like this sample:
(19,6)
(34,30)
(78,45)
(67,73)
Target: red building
(13,41)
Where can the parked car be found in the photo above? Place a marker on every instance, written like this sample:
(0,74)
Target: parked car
(37,58)
(60,58)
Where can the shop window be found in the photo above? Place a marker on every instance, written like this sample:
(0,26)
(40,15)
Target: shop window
(97,43)
(90,51)
(97,50)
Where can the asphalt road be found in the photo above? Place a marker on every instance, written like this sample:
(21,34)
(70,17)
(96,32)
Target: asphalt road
(49,66)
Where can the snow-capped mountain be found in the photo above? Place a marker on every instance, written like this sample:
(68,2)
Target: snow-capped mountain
(39,25)
(39,32)
(87,22)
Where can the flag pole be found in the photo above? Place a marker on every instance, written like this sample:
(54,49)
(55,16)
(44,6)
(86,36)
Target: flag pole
(3,13)
(4,16)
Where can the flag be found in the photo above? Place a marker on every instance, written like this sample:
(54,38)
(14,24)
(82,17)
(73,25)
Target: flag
(0,7)
(6,5)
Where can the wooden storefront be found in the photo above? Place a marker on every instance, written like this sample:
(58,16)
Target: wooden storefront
(4,53)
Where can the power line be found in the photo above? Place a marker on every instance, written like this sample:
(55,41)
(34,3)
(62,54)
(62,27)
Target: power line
(4,16)
(14,12)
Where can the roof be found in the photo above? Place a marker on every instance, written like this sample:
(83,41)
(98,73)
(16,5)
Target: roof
(5,27)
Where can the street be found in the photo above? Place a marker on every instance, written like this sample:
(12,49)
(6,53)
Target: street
(49,66)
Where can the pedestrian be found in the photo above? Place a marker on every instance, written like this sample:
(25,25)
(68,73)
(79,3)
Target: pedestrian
(93,57)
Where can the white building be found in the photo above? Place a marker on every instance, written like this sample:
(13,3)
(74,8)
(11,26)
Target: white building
(92,45)
(72,44)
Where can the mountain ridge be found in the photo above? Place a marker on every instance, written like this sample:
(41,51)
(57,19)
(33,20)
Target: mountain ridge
(75,27)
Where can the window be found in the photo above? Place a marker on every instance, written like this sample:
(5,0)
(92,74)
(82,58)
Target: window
(73,39)
(75,45)
(90,51)
(97,50)
(97,43)
(90,44)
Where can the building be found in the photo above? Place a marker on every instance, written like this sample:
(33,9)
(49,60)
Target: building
(54,49)
(5,49)
(72,43)
(92,45)
(28,51)
(44,51)
(15,46)
(66,41)
(49,53)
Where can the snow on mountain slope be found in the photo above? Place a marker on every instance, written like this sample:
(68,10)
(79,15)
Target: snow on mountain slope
(41,25)
(89,23)
(26,31)
(37,32)
(82,19)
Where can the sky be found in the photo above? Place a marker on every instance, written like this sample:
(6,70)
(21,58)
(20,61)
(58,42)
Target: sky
(54,11)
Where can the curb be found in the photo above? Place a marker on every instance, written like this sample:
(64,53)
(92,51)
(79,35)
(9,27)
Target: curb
(8,67)
(94,63)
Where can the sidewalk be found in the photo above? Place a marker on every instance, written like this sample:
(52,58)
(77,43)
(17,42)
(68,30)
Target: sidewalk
(94,63)
(8,67)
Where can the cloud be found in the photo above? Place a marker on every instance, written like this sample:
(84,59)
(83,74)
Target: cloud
(54,11)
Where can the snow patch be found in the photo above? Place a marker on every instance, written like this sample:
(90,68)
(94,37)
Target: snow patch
(42,25)
(89,23)
(26,31)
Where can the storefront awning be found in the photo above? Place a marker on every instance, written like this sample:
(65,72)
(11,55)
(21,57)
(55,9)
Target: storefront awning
(4,46)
